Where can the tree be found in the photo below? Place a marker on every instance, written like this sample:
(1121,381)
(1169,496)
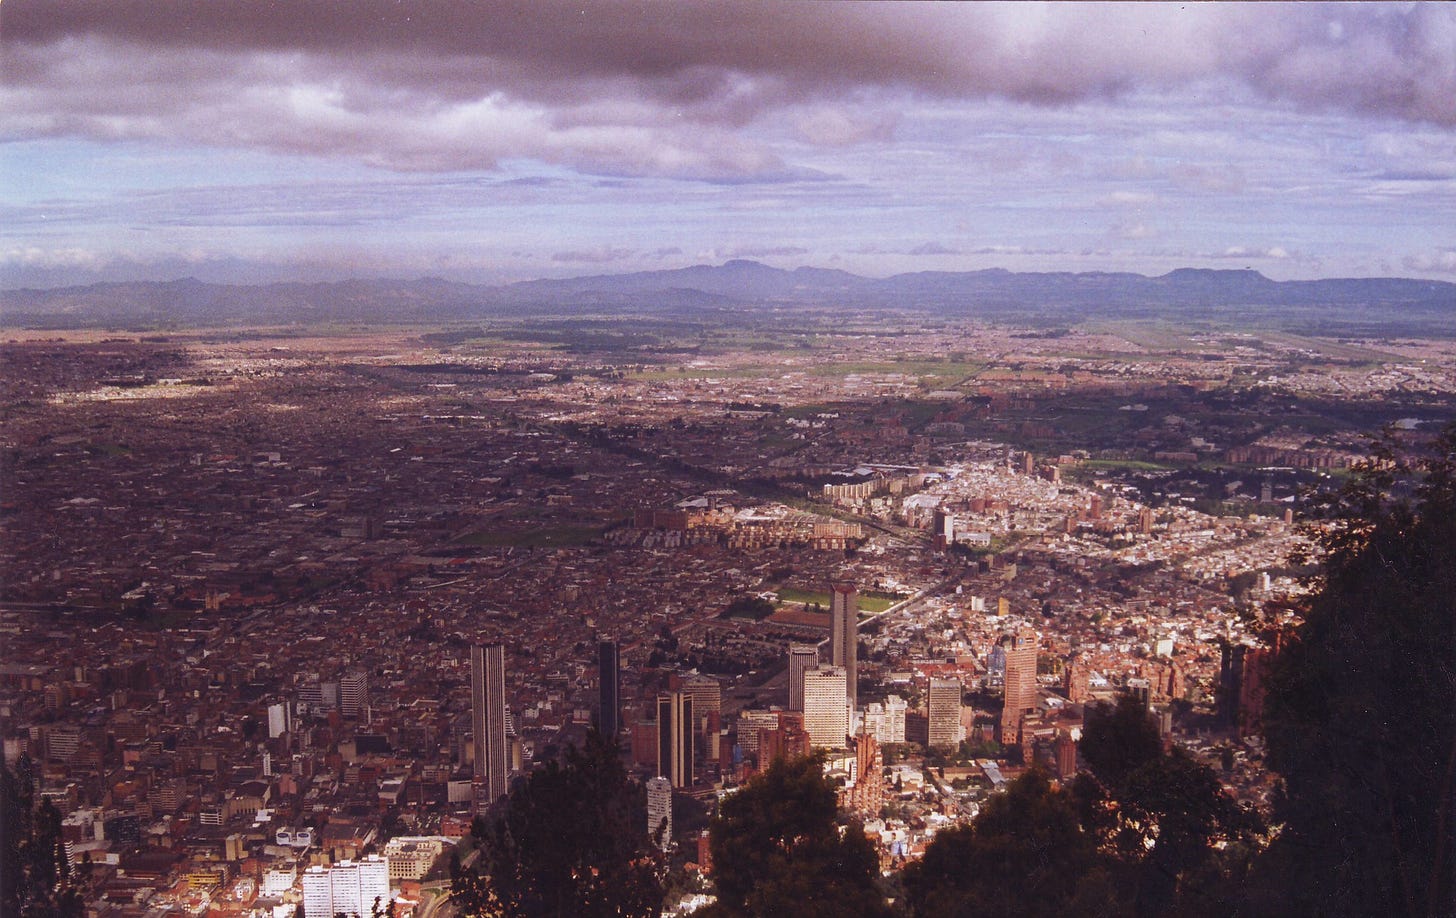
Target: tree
(1118,740)
(1164,815)
(569,840)
(1360,718)
(776,846)
(36,874)
(1025,854)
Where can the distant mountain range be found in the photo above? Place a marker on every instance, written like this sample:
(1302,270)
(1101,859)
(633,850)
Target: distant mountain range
(1334,306)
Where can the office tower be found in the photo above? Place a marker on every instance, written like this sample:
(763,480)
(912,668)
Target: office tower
(280,719)
(802,657)
(659,810)
(866,795)
(826,707)
(886,722)
(844,635)
(348,888)
(749,725)
(1066,752)
(488,707)
(318,893)
(354,693)
(373,884)
(609,712)
(1020,694)
(344,883)
(707,697)
(789,740)
(1240,694)
(675,738)
(943,711)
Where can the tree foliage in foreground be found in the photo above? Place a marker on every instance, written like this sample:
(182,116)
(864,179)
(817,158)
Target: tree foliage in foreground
(35,878)
(1361,712)
(778,850)
(1025,854)
(1183,842)
(569,840)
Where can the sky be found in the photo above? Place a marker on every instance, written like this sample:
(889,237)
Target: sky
(251,142)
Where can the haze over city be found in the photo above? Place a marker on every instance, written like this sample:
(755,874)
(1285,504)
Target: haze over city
(251,142)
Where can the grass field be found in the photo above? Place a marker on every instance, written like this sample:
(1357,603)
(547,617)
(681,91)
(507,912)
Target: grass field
(868,602)
(1136,465)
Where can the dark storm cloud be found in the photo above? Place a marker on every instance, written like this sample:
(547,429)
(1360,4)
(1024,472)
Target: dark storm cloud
(678,89)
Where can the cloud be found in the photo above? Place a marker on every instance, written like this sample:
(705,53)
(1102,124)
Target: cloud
(766,251)
(635,88)
(835,127)
(933,248)
(1241,252)
(1131,230)
(1441,261)
(598,256)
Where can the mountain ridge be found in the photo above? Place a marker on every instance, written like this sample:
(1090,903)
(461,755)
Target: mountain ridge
(743,285)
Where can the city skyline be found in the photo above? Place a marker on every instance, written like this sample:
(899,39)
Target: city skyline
(248,144)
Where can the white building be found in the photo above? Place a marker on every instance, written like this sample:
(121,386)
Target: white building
(318,893)
(886,722)
(659,809)
(280,719)
(348,887)
(826,707)
(277,881)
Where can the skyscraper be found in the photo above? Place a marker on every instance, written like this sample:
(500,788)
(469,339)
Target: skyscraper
(675,738)
(354,693)
(1020,695)
(348,888)
(659,810)
(844,635)
(943,709)
(826,707)
(802,657)
(318,893)
(609,716)
(488,707)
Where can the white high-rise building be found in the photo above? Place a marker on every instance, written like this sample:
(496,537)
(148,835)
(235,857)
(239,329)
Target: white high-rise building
(279,719)
(348,887)
(826,707)
(802,657)
(943,711)
(659,809)
(373,884)
(354,694)
(318,893)
(347,892)
(886,721)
